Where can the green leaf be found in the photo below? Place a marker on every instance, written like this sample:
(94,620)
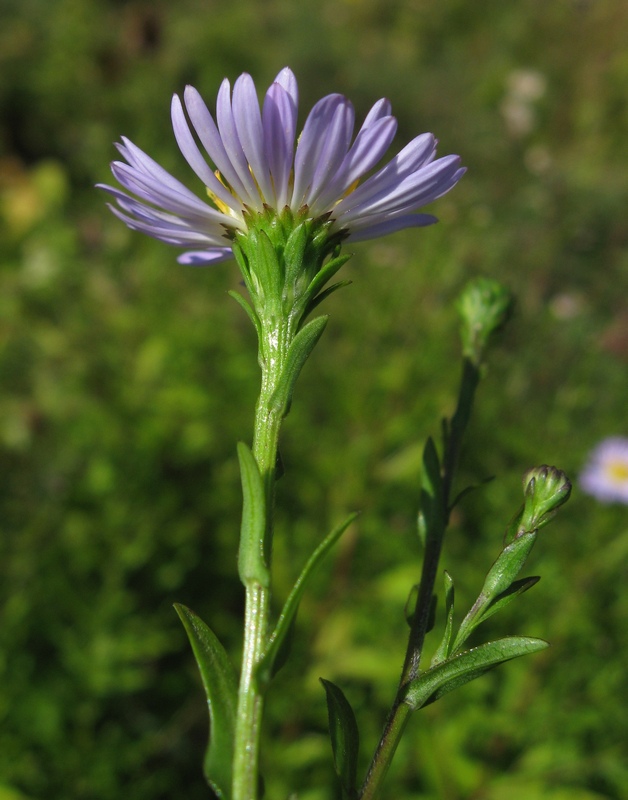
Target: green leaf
(325,274)
(298,353)
(324,295)
(345,737)
(443,648)
(508,565)
(266,267)
(221,689)
(294,253)
(251,562)
(499,578)
(503,599)
(269,662)
(249,311)
(465,667)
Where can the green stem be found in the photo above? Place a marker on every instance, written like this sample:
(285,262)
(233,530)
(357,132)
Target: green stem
(268,418)
(400,712)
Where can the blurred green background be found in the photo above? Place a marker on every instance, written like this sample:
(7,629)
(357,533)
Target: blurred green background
(125,381)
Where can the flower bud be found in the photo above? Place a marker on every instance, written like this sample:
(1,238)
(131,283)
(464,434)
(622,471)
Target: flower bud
(546,489)
(484,307)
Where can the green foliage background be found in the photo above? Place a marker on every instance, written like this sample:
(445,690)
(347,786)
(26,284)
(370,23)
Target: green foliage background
(125,381)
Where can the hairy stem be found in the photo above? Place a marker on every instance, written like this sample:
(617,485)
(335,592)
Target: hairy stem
(268,419)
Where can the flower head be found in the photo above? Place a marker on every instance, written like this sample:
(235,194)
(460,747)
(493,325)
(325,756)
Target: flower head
(605,476)
(256,166)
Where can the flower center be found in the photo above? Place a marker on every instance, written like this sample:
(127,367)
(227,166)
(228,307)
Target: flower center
(617,471)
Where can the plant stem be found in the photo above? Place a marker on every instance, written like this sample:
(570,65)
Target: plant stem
(268,419)
(400,712)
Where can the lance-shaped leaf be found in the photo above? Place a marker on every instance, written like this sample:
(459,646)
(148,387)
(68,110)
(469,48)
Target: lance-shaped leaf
(443,648)
(467,666)
(514,590)
(251,557)
(345,737)
(252,315)
(300,349)
(326,273)
(221,688)
(269,663)
(498,580)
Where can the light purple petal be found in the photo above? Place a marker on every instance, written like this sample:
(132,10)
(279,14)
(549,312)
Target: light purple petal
(211,140)
(279,118)
(334,149)
(311,142)
(150,189)
(193,156)
(205,258)
(412,192)
(419,152)
(374,231)
(381,109)
(248,123)
(144,165)
(231,141)
(285,78)
(370,145)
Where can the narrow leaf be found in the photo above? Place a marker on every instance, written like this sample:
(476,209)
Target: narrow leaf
(467,666)
(326,273)
(345,737)
(251,562)
(294,253)
(300,349)
(508,565)
(249,311)
(268,663)
(443,648)
(324,295)
(503,599)
(221,687)
(499,578)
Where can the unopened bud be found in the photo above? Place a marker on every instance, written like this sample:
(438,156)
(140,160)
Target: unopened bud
(484,306)
(546,489)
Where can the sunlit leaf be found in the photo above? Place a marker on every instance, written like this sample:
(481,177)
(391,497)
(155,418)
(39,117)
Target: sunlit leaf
(221,687)
(467,666)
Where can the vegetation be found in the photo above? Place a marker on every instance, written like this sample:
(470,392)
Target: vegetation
(126,380)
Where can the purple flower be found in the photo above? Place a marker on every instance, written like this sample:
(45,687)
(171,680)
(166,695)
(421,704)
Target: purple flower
(605,476)
(257,166)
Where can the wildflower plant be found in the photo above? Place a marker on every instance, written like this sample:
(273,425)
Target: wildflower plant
(284,207)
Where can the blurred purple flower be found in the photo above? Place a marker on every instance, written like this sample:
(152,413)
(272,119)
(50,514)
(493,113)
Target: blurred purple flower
(605,476)
(253,151)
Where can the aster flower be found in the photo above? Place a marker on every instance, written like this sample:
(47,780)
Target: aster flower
(605,476)
(256,167)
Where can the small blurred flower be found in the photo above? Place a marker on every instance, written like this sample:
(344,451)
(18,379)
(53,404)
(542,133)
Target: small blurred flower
(258,167)
(605,476)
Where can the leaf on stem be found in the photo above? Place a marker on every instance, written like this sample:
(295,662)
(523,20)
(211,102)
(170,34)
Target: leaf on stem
(249,311)
(271,660)
(298,353)
(251,562)
(221,687)
(443,648)
(345,737)
(465,667)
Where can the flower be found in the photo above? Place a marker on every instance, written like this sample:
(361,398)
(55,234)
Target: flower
(605,476)
(257,166)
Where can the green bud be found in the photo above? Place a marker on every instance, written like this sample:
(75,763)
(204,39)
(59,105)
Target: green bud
(546,489)
(484,306)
